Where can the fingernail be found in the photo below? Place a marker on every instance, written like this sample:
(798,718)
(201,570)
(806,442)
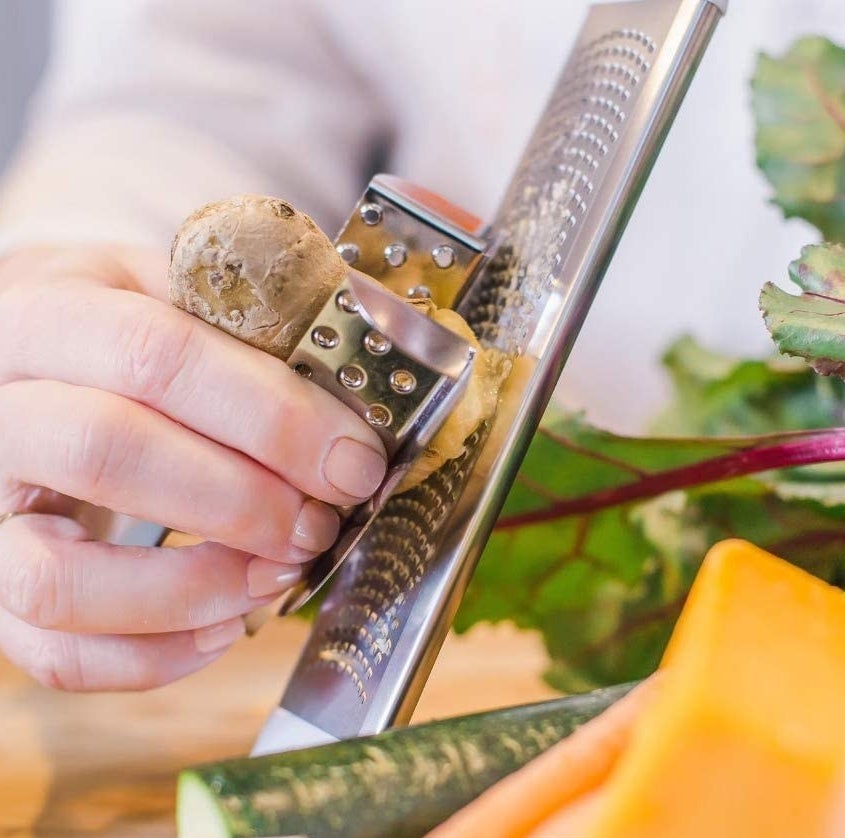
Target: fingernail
(265,577)
(215,638)
(354,468)
(296,555)
(316,527)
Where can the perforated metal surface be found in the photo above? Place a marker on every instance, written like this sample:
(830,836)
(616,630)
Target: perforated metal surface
(557,183)
(370,604)
(379,630)
(404,386)
(347,355)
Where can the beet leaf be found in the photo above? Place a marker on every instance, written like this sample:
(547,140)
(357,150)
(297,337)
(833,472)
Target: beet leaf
(799,107)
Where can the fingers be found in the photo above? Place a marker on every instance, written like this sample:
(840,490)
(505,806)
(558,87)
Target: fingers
(51,577)
(116,399)
(113,452)
(127,343)
(109,266)
(81,662)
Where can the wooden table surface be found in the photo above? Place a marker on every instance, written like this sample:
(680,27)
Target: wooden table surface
(105,765)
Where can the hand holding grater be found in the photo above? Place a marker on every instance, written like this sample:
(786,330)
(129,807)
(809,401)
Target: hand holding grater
(255,265)
(528,282)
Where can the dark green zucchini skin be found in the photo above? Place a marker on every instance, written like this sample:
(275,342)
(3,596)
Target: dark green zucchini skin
(399,784)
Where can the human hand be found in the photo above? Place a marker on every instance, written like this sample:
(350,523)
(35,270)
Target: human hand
(109,397)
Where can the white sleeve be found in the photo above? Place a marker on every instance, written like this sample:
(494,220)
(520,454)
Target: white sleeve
(150,108)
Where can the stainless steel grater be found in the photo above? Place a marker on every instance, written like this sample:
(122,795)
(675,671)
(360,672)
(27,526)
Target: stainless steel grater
(398,370)
(412,240)
(381,626)
(424,248)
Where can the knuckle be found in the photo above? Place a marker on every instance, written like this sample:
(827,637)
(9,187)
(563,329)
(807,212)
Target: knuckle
(73,663)
(105,452)
(35,594)
(246,512)
(156,350)
(240,517)
(57,664)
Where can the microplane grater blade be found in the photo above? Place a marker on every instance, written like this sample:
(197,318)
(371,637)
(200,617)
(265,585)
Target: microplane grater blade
(378,632)
(556,184)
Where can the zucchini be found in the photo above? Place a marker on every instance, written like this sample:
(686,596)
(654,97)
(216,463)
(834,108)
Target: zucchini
(398,784)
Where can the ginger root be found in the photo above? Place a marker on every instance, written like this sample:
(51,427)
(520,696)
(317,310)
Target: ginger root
(256,268)
(260,270)
(477,403)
